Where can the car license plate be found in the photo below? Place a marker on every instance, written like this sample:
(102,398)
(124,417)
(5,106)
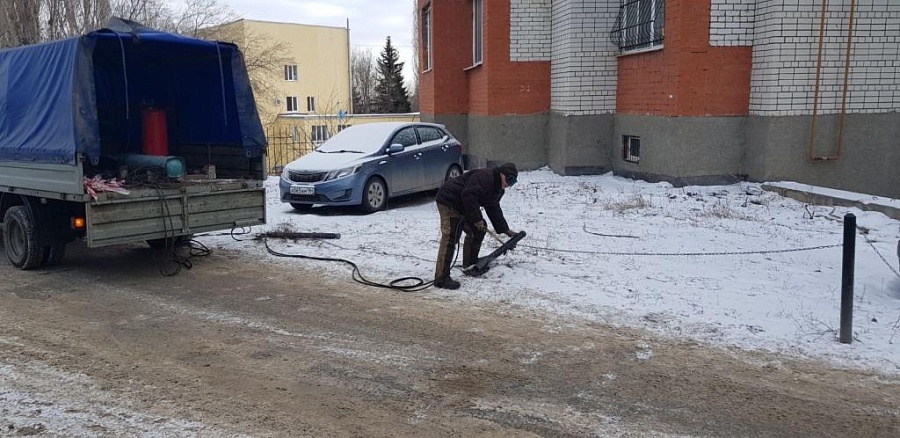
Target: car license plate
(303,190)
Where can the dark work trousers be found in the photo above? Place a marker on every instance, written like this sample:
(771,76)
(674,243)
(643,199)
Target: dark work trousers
(453,223)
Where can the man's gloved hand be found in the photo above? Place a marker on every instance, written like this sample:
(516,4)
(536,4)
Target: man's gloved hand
(480,226)
(511,233)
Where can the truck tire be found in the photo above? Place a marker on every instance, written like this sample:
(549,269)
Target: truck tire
(53,254)
(169,242)
(20,240)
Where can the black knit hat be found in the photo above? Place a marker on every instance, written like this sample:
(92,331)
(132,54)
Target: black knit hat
(508,169)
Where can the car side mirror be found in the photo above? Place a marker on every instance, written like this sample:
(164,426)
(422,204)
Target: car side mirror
(394,148)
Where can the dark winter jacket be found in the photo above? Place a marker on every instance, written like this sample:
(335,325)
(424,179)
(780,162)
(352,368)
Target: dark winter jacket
(472,190)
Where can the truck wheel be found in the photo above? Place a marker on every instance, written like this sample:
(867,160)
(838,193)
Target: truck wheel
(170,242)
(53,254)
(20,240)
(374,195)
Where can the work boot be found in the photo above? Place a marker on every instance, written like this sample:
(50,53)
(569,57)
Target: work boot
(446,283)
(475,271)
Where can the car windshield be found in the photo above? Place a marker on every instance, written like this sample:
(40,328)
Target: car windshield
(366,138)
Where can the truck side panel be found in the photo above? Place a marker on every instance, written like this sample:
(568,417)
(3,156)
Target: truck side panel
(59,181)
(155,213)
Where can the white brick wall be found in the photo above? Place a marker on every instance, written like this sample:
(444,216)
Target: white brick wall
(785,57)
(731,22)
(583,64)
(529,30)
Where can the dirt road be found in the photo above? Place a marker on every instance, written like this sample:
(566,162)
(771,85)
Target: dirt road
(104,345)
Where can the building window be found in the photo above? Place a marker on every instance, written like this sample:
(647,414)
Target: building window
(292,104)
(290,72)
(319,133)
(342,127)
(311,104)
(426,37)
(631,148)
(477,31)
(639,25)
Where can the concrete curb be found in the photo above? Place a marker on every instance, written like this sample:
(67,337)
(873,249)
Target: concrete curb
(820,196)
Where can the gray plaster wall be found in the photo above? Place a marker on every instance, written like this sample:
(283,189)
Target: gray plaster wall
(521,139)
(778,150)
(580,145)
(682,150)
(458,125)
(693,150)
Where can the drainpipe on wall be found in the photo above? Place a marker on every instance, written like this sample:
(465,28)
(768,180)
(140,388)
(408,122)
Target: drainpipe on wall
(349,70)
(843,113)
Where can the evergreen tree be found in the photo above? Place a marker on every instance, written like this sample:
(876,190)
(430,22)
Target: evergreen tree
(390,93)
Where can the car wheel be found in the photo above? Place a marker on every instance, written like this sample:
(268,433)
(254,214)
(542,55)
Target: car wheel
(169,242)
(20,240)
(301,207)
(374,195)
(453,172)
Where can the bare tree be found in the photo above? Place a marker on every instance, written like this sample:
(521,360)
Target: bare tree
(264,57)
(151,13)
(414,87)
(362,68)
(65,18)
(201,14)
(20,23)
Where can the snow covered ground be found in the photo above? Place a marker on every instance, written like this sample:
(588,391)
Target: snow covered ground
(727,265)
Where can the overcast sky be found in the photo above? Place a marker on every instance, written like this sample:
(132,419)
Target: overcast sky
(370,21)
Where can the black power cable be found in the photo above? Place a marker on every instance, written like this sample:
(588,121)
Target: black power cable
(417,283)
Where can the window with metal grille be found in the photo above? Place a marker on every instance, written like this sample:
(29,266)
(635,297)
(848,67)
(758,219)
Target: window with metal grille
(631,150)
(639,25)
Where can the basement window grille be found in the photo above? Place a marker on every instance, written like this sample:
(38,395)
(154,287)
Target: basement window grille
(631,150)
(639,25)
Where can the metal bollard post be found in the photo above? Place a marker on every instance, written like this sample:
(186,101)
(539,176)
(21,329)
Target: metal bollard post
(847,278)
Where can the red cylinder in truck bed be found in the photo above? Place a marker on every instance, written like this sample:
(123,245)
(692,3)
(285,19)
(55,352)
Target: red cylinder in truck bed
(155,135)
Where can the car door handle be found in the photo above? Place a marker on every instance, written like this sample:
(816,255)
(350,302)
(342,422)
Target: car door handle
(382,162)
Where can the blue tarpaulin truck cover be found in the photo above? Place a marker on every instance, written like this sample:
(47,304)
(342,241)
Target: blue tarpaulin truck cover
(68,97)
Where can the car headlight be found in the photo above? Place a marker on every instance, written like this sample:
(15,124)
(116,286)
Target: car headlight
(340,173)
(286,174)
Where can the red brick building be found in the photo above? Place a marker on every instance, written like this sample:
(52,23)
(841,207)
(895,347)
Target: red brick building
(687,91)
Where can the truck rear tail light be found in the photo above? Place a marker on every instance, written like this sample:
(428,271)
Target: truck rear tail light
(78,223)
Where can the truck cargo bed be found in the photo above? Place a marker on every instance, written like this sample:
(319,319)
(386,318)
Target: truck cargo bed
(186,207)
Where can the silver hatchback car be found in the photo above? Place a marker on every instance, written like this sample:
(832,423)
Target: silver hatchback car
(369,163)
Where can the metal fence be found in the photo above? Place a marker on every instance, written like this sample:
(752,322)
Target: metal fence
(286,144)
